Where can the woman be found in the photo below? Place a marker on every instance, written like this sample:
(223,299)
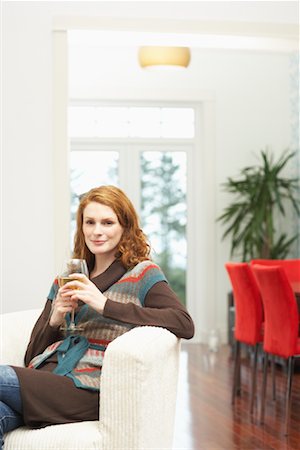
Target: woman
(60,383)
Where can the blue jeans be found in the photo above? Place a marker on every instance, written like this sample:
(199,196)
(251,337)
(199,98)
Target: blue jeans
(10,401)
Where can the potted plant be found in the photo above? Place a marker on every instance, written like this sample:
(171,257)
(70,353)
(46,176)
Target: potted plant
(261,195)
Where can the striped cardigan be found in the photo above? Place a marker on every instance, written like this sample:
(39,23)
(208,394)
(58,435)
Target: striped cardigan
(80,357)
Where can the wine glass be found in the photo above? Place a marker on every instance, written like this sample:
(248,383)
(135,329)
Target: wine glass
(72,266)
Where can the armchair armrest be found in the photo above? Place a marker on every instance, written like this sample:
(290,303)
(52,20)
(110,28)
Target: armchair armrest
(138,390)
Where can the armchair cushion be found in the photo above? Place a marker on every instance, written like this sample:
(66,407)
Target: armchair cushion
(72,436)
(16,328)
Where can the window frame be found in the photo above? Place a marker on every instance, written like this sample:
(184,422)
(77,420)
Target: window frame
(129,162)
(130,150)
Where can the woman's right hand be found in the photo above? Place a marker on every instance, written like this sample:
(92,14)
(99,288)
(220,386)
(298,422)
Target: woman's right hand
(61,306)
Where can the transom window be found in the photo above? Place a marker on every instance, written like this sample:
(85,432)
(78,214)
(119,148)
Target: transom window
(131,122)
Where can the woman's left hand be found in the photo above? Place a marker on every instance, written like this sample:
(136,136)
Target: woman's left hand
(86,291)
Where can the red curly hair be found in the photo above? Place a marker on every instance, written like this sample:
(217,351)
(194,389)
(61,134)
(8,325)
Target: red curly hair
(133,246)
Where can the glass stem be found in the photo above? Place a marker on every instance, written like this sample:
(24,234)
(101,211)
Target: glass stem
(72,323)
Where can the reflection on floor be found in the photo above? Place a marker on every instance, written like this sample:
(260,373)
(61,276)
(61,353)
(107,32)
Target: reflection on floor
(205,419)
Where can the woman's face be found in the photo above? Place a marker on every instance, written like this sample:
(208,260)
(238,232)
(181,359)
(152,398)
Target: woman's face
(102,230)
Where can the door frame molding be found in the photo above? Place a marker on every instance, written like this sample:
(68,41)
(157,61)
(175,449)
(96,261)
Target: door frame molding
(201,292)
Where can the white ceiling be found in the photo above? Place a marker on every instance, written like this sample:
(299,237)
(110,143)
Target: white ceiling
(195,23)
(245,11)
(98,44)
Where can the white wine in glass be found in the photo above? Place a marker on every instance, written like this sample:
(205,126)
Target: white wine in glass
(72,266)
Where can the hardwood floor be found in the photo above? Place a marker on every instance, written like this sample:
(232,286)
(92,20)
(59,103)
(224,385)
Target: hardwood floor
(205,418)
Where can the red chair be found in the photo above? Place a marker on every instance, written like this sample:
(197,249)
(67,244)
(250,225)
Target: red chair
(290,266)
(281,325)
(248,320)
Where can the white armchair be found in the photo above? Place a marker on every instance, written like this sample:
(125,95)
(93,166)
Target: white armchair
(138,392)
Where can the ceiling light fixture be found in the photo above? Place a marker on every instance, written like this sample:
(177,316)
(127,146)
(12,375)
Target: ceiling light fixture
(164,56)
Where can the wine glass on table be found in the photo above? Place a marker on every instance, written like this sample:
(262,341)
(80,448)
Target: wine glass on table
(72,266)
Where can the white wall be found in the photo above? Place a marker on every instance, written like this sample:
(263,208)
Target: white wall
(27,244)
(252,92)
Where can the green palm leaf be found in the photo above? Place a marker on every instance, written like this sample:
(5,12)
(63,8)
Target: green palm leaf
(261,195)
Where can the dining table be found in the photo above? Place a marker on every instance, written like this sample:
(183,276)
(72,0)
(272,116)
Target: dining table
(296,288)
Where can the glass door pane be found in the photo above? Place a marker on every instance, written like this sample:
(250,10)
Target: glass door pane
(164,212)
(89,169)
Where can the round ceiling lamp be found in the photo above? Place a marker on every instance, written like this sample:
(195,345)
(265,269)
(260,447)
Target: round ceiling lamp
(164,56)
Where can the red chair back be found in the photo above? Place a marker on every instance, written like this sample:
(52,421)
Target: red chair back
(280,309)
(248,303)
(290,266)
